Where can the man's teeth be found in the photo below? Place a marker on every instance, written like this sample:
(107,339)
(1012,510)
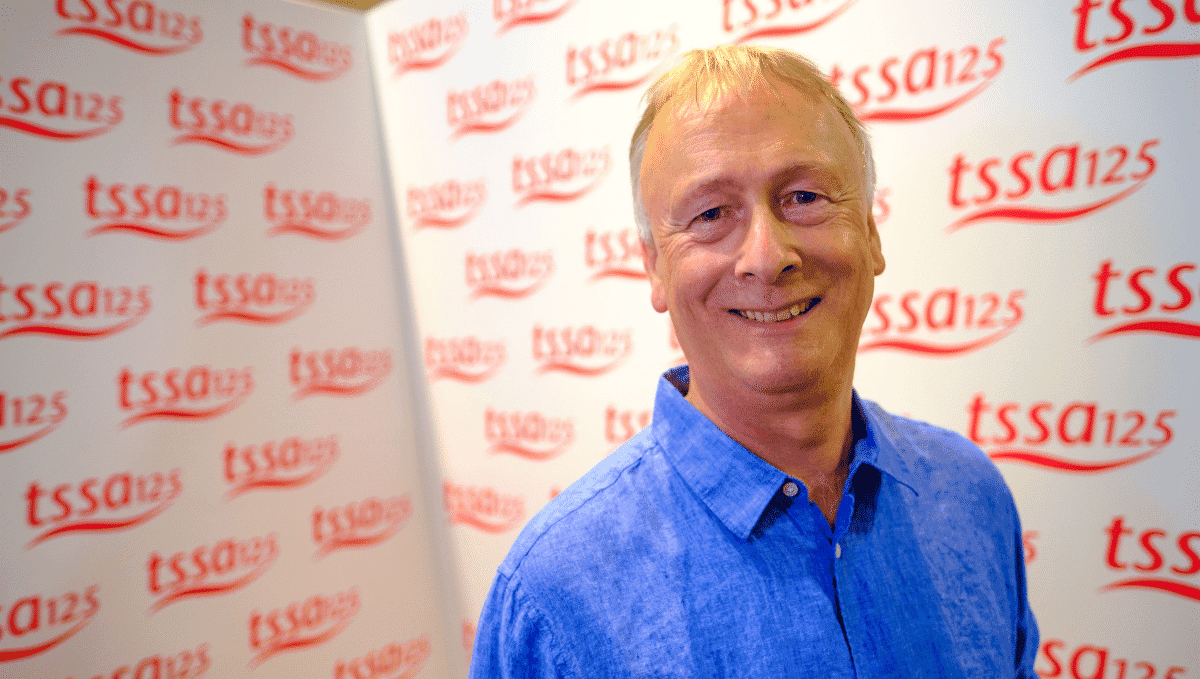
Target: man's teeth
(776,316)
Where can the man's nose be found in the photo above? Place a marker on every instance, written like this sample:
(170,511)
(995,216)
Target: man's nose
(768,250)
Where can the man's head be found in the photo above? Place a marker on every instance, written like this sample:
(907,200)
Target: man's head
(754,182)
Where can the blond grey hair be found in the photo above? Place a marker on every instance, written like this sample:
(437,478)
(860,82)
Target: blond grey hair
(707,75)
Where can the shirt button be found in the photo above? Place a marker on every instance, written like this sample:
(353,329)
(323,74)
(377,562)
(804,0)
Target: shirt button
(790,489)
(837,551)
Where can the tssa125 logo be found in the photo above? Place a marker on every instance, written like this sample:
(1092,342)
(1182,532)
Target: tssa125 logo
(1089,661)
(619,63)
(1116,171)
(140,26)
(921,85)
(94,505)
(483,508)
(508,274)
(338,372)
(487,108)
(1140,290)
(942,322)
(585,350)
(510,13)
(446,205)
(301,624)
(613,254)
(1154,566)
(362,523)
(745,20)
(25,419)
(1081,437)
(322,215)
(260,299)
(397,660)
(1119,28)
(165,212)
(298,53)
(208,570)
(35,624)
(427,44)
(559,176)
(199,392)
(464,359)
(82,310)
(186,664)
(53,110)
(529,434)
(14,212)
(277,465)
(230,126)
(620,424)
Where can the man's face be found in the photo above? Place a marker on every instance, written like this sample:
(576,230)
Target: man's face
(765,250)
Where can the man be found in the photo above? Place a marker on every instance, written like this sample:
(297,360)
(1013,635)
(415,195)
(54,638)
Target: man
(768,523)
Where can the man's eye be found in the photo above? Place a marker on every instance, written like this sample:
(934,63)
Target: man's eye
(800,198)
(711,214)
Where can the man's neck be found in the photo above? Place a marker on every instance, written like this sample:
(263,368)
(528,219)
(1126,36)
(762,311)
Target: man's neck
(808,436)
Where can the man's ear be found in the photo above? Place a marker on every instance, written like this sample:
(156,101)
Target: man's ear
(874,243)
(658,296)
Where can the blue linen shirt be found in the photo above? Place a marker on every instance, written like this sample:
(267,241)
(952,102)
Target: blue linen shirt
(682,555)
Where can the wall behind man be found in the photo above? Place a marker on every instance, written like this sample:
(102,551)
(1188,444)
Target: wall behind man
(1041,294)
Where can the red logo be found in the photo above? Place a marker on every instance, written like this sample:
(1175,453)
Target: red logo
(1093,662)
(290,463)
(25,419)
(944,322)
(620,63)
(301,624)
(183,665)
(208,570)
(466,359)
(399,660)
(83,310)
(54,111)
(1011,432)
(1146,294)
(298,53)
(163,213)
(338,372)
(530,435)
(121,502)
(508,274)
(1087,38)
(483,508)
(448,205)
(263,299)
(426,45)
(583,351)
(488,108)
(1186,562)
(230,126)
(1061,169)
(322,216)
(613,254)
(9,217)
(196,393)
(49,620)
(558,177)
(510,13)
(620,425)
(758,19)
(138,27)
(923,85)
(359,524)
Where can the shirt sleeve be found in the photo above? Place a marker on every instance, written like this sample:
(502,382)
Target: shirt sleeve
(514,639)
(1026,629)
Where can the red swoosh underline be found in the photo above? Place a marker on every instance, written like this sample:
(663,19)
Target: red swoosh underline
(1055,462)
(1038,214)
(1161,50)
(314,231)
(417,64)
(314,76)
(446,222)
(454,373)
(152,230)
(221,142)
(900,115)
(31,128)
(360,541)
(184,414)
(1163,327)
(72,333)
(779,31)
(336,389)
(303,642)
(101,526)
(22,653)
(575,369)
(279,483)
(922,347)
(125,42)
(610,85)
(619,273)
(558,196)
(1170,586)
(498,290)
(12,445)
(252,317)
(533,18)
(528,453)
(204,590)
(483,127)
(476,522)
(8,225)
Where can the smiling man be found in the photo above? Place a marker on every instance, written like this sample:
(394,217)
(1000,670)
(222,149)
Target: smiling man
(769,522)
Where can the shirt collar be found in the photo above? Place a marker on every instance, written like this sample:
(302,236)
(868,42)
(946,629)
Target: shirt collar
(735,484)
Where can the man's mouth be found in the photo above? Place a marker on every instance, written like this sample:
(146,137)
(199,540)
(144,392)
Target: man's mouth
(778,315)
